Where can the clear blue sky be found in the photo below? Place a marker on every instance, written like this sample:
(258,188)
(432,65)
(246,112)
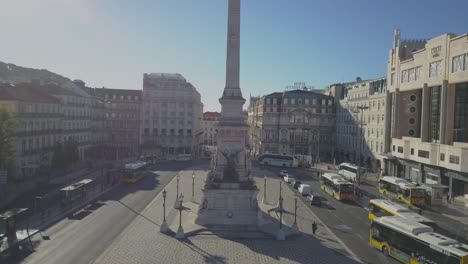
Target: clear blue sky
(112,43)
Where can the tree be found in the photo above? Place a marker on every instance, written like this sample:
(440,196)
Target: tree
(7,140)
(65,155)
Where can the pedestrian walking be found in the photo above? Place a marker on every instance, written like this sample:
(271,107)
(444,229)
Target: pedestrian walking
(314,227)
(449,197)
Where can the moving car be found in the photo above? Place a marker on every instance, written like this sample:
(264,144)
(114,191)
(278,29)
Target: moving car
(304,189)
(283,173)
(314,200)
(296,184)
(288,178)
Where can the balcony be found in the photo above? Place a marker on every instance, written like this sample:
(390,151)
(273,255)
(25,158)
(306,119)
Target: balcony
(447,156)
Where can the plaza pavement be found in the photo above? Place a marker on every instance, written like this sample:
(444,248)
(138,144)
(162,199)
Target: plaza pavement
(141,241)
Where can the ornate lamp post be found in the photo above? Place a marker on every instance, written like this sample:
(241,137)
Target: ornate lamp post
(280,235)
(164,228)
(294,228)
(180,231)
(193,185)
(177,193)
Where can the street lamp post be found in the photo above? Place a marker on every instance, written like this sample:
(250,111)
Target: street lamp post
(180,231)
(193,185)
(177,192)
(264,189)
(164,228)
(358,173)
(280,235)
(295,210)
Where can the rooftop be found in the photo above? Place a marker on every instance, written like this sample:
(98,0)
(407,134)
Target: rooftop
(25,92)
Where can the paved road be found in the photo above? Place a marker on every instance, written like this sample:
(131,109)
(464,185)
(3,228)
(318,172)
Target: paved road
(83,237)
(348,221)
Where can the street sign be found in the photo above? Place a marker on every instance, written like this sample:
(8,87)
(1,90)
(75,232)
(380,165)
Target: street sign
(3,177)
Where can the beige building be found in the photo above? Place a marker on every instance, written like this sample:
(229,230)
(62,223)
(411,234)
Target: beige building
(171,114)
(121,128)
(209,125)
(39,126)
(76,122)
(360,132)
(292,122)
(428,82)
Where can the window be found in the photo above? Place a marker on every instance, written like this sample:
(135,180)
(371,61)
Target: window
(285,101)
(423,154)
(400,149)
(392,78)
(460,129)
(442,156)
(404,76)
(274,100)
(459,63)
(434,113)
(306,101)
(435,69)
(412,151)
(293,101)
(454,159)
(268,101)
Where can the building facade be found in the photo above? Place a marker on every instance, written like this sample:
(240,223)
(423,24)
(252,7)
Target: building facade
(39,127)
(120,109)
(428,83)
(171,115)
(361,135)
(292,122)
(76,122)
(209,125)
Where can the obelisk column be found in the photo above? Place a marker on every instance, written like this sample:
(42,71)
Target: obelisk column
(233,46)
(232,101)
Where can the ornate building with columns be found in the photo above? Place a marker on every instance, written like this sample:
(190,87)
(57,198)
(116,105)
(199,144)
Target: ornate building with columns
(292,122)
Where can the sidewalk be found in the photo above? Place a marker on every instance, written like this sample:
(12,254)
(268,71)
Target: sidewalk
(141,241)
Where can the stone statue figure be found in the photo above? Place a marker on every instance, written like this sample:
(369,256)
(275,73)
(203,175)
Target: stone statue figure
(230,173)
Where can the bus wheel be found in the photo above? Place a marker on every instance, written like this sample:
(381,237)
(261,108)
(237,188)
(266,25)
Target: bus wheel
(385,250)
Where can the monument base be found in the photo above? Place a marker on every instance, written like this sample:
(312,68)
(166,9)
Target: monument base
(228,205)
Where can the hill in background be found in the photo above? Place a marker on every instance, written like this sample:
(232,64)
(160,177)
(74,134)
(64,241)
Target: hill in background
(15,74)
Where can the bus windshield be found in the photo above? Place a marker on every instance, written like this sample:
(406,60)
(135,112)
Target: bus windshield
(416,193)
(346,188)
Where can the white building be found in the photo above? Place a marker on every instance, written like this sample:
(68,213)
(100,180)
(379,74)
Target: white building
(362,105)
(171,114)
(209,125)
(428,83)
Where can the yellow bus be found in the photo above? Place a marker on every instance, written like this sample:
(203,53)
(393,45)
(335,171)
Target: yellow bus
(413,243)
(134,171)
(335,185)
(382,207)
(402,190)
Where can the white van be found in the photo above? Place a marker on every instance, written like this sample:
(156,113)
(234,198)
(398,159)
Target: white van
(304,189)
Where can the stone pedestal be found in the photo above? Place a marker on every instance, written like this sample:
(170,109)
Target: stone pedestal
(164,228)
(228,205)
(180,233)
(280,236)
(295,229)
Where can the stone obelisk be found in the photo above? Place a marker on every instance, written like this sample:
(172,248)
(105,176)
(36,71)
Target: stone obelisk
(230,193)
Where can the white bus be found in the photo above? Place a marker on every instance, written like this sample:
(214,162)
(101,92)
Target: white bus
(402,190)
(335,185)
(278,160)
(382,207)
(412,242)
(349,171)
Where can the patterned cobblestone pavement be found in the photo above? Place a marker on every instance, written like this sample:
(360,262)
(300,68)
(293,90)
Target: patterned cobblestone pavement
(142,242)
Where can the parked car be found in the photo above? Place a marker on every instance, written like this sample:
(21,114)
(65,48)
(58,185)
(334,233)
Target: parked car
(296,184)
(314,200)
(288,178)
(304,189)
(283,173)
